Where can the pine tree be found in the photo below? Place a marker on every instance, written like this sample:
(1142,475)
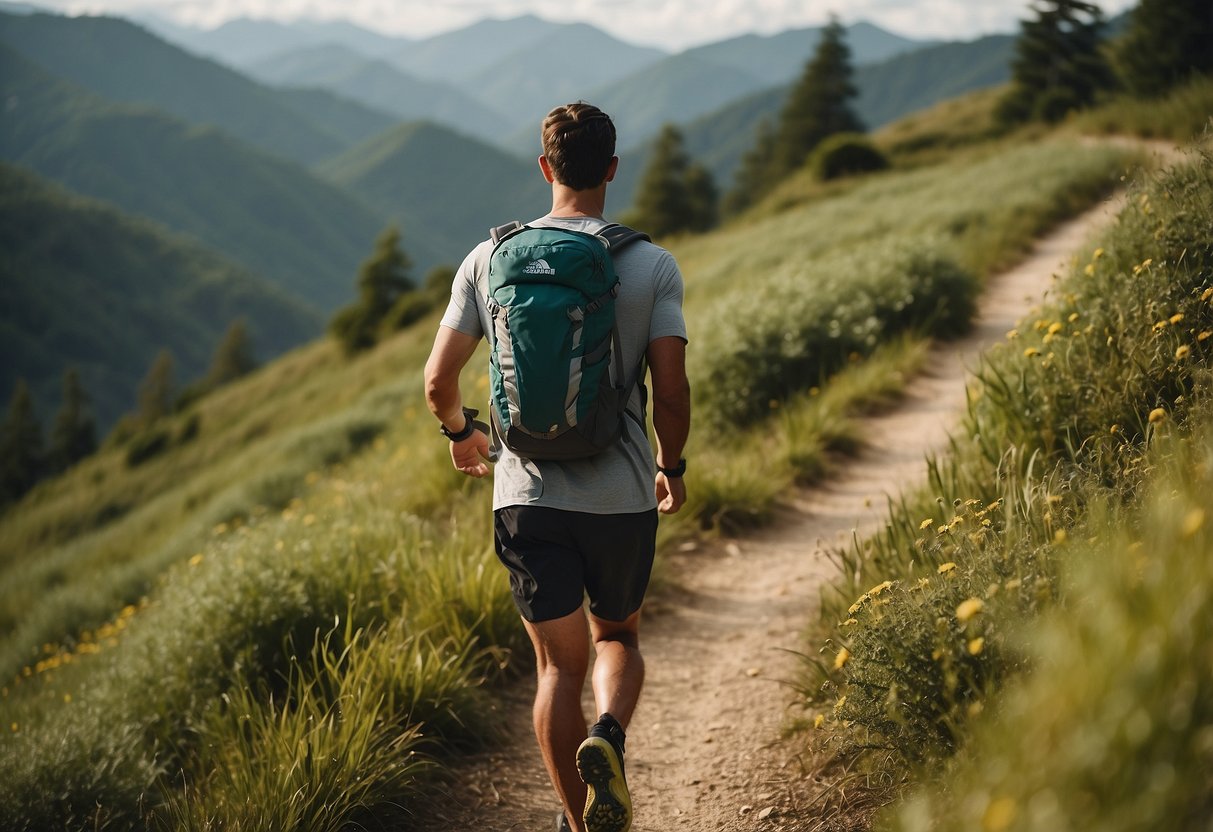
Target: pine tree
(702,198)
(1058,65)
(1168,42)
(818,106)
(662,205)
(157,390)
(754,176)
(383,279)
(74,432)
(22,455)
(233,357)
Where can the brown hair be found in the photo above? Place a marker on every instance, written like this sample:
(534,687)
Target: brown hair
(579,143)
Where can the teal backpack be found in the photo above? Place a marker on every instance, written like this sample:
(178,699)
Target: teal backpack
(551,295)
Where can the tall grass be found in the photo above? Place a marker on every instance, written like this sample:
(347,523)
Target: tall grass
(930,620)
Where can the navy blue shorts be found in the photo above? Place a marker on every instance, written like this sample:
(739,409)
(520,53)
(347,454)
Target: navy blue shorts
(556,558)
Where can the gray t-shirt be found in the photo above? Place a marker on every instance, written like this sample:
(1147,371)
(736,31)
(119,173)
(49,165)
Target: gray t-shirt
(619,480)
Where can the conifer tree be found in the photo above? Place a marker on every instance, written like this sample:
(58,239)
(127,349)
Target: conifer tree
(1058,64)
(1168,41)
(233,357)
(22,455)
(662,206)
(74,432)
(702,198)
(818,106)
(383,279)
(754,176)
(157,389)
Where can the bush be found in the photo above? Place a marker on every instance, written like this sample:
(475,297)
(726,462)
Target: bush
(845,154)
(149,443)
(409,309)
(804,326)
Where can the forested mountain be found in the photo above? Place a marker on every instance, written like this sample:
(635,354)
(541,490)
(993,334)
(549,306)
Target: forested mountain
(270,215)
(779,58)
(85,285)
(465,52)
(441,185)
(155,73)
(380,85)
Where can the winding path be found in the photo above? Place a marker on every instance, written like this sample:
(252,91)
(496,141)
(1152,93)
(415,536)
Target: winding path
(704,747)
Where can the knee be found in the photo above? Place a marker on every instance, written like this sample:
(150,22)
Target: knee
(624,637)
(560,669)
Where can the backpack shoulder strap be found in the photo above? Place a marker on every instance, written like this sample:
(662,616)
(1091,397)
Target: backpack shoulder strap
(618,237)
(501,232)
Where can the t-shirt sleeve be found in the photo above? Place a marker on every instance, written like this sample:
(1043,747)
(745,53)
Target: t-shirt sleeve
(667,317)
(461,313)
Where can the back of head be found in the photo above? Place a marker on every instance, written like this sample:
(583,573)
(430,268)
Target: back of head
(579,143)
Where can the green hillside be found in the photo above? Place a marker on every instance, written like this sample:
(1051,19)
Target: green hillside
(270,215)
(345,118)
(449,187)
(155,73)
(85,285)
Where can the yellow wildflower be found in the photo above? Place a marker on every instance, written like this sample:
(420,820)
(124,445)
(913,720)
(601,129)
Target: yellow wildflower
(1053,499)
(819,720)
(1207,293)
(1193,521)
(844,656)
(1031,352)
(926,524)
(14,727)
(879,588)
(1089,271)
(1159,326)
(1204,335)
(1073,317)
(67,698)
(1114,429)
(842,700)
(969,608)
(1012,334)
(1059,536)
(854,608)
(999,815)
(1157,415)
(923,583)
(1176,318)
(849,622)
(946,568)
(1182,352)
(1098,253)
(1055,328)
(196,559)
(976,646)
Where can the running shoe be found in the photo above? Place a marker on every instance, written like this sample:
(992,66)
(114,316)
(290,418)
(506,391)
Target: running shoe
(608,806)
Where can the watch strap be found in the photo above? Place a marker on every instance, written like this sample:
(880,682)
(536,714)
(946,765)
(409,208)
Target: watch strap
(677,471)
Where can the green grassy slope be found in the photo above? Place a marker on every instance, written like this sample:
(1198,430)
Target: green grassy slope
(155,73)
(268,214)
(86,285)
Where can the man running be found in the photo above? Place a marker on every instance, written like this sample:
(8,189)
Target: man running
(568,529)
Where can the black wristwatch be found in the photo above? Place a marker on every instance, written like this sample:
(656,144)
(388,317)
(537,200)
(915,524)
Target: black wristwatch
(469,426)
(677,471)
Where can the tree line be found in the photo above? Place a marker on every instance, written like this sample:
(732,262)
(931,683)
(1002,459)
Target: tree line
(27,456)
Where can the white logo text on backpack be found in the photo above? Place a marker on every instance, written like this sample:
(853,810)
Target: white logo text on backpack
(538,267)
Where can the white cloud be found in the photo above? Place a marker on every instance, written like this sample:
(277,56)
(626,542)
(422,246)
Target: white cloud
(672,24)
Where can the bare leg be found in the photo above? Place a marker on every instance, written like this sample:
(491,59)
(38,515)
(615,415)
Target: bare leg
(561,658)
(618,666)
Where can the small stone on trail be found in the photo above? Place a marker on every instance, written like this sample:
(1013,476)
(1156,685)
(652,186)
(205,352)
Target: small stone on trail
(689,546)
(752,672)
(745,810)
(767,812)
(733,549)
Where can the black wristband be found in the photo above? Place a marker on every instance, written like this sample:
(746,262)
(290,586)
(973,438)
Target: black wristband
(676,471)
(469,426)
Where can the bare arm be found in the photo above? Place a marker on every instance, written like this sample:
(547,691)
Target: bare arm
(451,352)
(671,415)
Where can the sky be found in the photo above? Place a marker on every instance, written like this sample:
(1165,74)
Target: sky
(670,24)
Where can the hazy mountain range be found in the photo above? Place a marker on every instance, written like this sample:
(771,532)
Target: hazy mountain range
(272,154)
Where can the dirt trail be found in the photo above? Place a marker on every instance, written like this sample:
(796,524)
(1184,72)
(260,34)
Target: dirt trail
(703,749)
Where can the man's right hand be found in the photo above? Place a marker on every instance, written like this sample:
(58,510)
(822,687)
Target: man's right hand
(671,493)
(471,455)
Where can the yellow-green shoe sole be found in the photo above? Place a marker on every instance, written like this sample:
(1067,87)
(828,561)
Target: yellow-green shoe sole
(608,806)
